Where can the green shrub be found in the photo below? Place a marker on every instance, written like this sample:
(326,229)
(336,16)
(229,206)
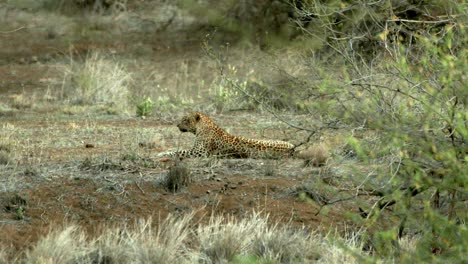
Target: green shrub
(145,107)
(415,100)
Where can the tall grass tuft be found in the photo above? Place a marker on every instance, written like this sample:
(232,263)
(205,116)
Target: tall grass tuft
(4,255)
(66,245)
(282,244)
(144,243)
(98,80)
(223,241)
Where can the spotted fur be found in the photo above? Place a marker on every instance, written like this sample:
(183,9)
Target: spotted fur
(210,140)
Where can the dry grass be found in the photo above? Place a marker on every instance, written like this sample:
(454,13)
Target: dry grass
(66,245)
(5,158)
(222,241)
(337,249)
(99,80)
(62,245)
(177,177)
(144,243)
(22,101)
(6,111)
(141,243)
(5,146)
(6,150)
(270,168)
(316,155)
(408,244)
(174,241)
(4,258)
(281,244)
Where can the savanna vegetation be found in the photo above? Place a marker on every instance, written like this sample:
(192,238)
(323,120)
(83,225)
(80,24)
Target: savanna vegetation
(372,93)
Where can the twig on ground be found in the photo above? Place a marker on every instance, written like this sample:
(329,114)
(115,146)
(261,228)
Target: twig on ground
(136,183)
(13,31)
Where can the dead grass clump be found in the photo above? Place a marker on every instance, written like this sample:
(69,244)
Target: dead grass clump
(177,177)
(282,244)
(6,111)
(222,241)
(4,254)
(22,102)
(337,249)
(67,245)
(31,171)
(270,168)
(316,155)
(99,80)
(144,243)
(5,157)
(409,243)
(5,147)
(141,243)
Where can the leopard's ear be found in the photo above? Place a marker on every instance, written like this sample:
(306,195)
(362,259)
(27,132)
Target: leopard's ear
(197,116)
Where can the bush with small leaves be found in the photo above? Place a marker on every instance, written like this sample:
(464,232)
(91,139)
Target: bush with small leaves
(145,107)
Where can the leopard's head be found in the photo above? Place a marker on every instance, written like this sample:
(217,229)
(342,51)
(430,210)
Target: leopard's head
(189,122)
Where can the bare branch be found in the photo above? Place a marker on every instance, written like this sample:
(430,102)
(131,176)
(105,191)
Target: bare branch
(334,202)
(420,21)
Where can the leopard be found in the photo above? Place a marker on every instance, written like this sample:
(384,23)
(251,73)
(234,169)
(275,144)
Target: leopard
(101,6)
(212,140)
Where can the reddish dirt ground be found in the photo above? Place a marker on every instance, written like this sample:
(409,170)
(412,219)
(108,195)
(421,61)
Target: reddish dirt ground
(84,202)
